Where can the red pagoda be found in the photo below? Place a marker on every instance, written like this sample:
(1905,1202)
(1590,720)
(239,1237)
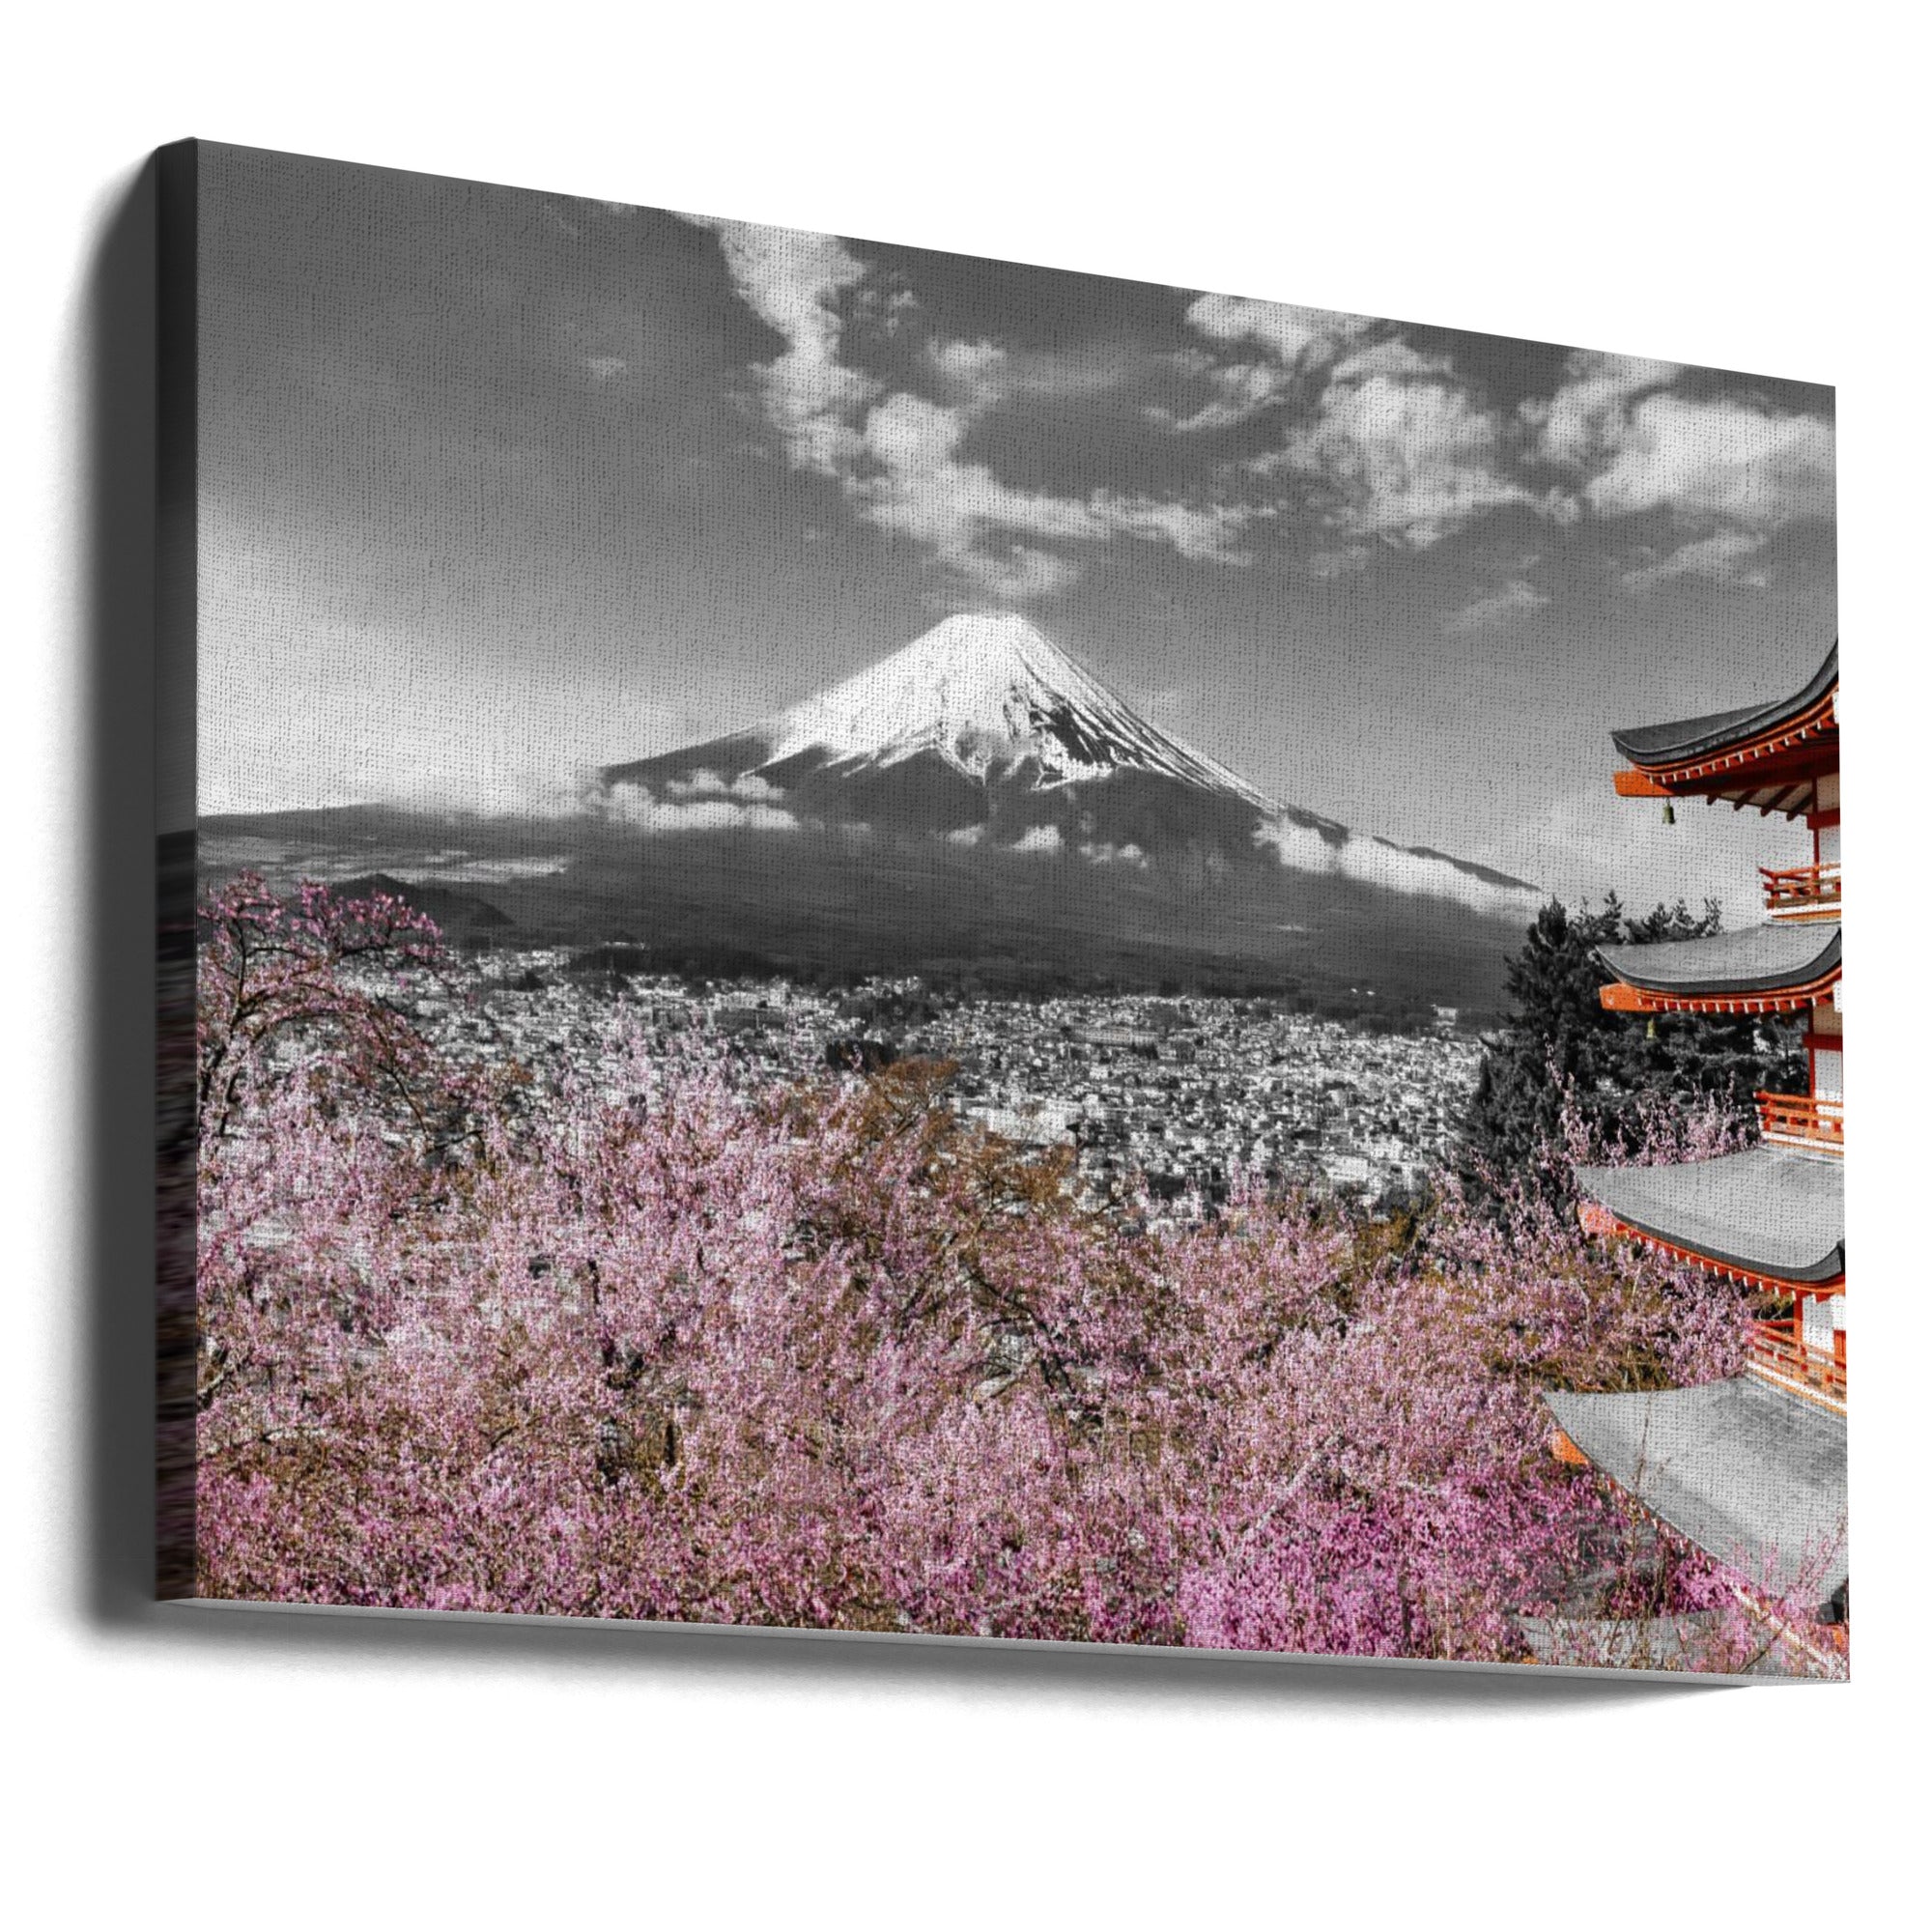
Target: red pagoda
(1750,1469)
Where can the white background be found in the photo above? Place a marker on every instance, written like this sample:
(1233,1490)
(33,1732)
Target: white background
(1695,183)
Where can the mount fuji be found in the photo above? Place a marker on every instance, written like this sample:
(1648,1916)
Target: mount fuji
(975,807)
(983,729)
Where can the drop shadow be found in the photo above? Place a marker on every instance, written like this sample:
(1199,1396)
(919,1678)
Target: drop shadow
(832,1660)
(114,1421)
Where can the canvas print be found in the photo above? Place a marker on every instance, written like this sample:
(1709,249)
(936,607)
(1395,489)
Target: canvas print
(868,941)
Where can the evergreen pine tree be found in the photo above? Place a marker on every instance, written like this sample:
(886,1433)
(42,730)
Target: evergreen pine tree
(1559,1040)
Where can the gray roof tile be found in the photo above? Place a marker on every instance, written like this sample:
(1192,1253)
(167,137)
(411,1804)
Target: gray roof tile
(1757,959)
(1764,1211)
(1754,1477)
(1687,738)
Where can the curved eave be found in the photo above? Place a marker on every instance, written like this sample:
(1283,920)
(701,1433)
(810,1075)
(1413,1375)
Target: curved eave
(1789,790)
(1603,1222)
(1768,1217)
(1700,754)
(1623,998)
(1779,773)
(1753,1479)
(1783,967)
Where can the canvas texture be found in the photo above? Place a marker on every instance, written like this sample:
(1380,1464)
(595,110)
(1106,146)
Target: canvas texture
(861,940)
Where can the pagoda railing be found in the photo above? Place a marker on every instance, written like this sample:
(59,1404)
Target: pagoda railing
(1778,1353)
(1802,892)
(1802,1120)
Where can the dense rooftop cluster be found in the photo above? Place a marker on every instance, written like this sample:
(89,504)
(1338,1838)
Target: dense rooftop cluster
(1183,1091)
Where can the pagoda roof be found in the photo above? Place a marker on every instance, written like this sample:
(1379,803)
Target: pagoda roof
(1751,1477)
(1770,756)
(1796,959)
(1688,738)
(1774,1217)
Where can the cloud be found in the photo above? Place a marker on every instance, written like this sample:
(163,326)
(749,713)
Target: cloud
(920,487)
(986,375)
(1722,460)
(1728,472)
(604,367)
(792,281)
(747,789)
(1588,412)
(898,454)
(1396,448)
(1375,862)
(1243,389)
(1296,335)
(1042,840)
(1349,560)
(1724,557)
(1129,854)
(1516,598)
(1401,451)
(639,808)
(1204,532)
(1640,444)
(1293,341)
(1382,445)
(973,371)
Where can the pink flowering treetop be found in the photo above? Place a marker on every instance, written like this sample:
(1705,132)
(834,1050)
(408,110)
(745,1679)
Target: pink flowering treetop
(825,1355)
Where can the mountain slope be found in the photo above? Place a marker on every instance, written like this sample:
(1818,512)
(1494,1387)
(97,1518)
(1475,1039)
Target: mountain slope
(981,726)
(974,806)
(991,695)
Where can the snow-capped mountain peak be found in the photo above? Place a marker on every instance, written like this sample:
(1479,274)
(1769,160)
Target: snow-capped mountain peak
(987,692)
(983,735)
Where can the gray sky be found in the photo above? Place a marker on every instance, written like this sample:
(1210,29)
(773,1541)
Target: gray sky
(501,485)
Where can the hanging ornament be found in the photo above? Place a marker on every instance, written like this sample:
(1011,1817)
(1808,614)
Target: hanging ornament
(1669,813)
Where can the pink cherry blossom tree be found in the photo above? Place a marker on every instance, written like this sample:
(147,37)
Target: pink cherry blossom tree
(667,1346)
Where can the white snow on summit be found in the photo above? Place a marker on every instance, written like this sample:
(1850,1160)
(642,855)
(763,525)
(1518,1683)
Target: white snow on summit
(987,692)
(991,697)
